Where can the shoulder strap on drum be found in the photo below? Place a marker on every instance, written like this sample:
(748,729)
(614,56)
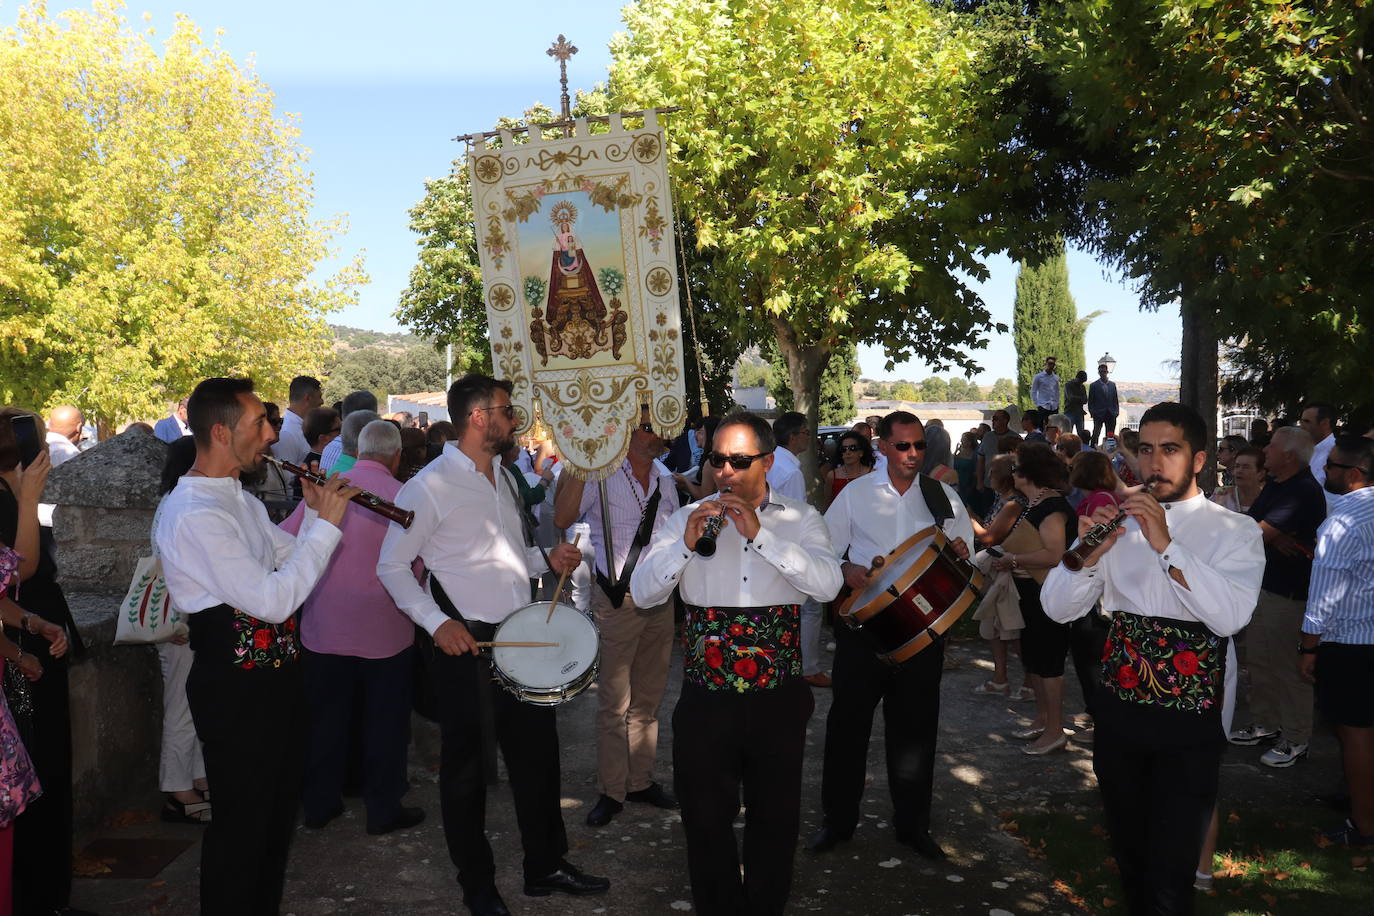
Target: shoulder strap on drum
(616,592)
(937,500)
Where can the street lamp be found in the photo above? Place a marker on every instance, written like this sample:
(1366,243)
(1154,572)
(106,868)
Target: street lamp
(1106,360)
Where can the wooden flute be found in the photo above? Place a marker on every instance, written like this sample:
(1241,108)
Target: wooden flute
(402,517)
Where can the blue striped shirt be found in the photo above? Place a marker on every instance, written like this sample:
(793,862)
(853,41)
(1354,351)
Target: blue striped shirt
(1340,603)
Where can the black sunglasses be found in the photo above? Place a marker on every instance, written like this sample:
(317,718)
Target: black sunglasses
(738,462)
(1345,467)
(904,446)
(851,448)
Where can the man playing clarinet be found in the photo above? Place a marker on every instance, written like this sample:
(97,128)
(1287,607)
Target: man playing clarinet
(741,718)
(1179,577)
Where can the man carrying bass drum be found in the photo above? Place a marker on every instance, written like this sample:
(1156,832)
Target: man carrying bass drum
(468,531)
(870,518)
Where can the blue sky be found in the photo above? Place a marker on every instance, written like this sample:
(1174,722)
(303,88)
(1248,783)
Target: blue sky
(381,88)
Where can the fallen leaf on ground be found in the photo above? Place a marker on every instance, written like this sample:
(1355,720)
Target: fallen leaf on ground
(1233,818)
(1269,899)
(1282,876)
(1323,842)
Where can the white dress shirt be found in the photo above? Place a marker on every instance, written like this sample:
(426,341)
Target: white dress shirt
(1320,452)
(291,445)
(218,547)
(785,476)
(788,561)
(470,534)
(1219,552)
(1045,390)
(869,518)
(60,448)
(626,501)
(170,429)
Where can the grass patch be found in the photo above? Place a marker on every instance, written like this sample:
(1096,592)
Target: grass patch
(1267,864)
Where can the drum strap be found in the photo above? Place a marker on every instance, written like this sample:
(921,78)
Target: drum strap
(937,500)
(616,593)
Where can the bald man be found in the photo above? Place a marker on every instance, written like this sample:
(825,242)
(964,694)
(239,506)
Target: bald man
(64,432)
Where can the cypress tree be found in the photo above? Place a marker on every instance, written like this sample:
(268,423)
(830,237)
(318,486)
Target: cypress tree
(1045,322)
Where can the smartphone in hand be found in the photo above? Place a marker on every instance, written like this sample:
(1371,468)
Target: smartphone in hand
(26,436)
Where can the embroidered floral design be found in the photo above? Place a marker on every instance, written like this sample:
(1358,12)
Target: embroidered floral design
(1155,661)
(258,644)
(741,649)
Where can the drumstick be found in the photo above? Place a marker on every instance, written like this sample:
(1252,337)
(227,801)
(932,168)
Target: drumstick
(561,580)
(877,565)
(503,645)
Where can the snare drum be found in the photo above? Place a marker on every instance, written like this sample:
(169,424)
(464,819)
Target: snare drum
(915,596)
(546,675)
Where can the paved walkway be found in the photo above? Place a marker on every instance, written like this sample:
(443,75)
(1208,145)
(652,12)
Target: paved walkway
(982,777)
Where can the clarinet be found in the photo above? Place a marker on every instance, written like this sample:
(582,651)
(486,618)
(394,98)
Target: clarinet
(706,544)
(395,513)
(1095,537)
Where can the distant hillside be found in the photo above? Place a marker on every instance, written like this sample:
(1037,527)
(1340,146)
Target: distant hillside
(346,338)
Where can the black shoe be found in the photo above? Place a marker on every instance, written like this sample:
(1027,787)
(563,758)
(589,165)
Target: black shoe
(486,903)
(569,879)
(605,809)
(826,839)
(923,844)
(318,823)
(405,819)
(655,795)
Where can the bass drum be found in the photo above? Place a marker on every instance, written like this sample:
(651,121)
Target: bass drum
(546,675)
(915,595)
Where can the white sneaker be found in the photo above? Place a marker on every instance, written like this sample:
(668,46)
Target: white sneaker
(1252,735)
(1283,754)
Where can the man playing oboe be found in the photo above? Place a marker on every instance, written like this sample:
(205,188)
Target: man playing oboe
(741,719)
(1179,578)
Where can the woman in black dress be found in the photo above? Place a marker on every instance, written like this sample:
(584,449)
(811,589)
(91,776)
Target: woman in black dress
(1044,531)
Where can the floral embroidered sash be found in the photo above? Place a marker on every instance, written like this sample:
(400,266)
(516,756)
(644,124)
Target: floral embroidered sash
(741,649)
(258,644)
(1164,663)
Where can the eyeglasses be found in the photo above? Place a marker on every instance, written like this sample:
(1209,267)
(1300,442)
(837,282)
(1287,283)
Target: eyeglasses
(1345,467)
(906,446)
(508,408)
(738,462)
(851,448)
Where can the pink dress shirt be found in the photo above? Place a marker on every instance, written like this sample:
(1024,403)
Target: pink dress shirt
(350,612)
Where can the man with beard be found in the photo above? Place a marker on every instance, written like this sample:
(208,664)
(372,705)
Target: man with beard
(469,533)
(870,518)
(1337,651)
(636,641)
(1180,577)
(239,579)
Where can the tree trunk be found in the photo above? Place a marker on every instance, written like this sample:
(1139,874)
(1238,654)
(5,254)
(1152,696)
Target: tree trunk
(1198,376)
(804,367)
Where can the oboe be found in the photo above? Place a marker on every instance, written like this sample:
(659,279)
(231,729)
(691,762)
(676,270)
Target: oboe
(1096,536)
(706,544)
(402,517)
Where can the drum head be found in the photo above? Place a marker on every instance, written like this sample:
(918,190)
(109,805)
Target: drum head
(546,667)
(896,566)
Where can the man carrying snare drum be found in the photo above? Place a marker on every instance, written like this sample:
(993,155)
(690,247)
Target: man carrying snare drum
(468,531)
(871,517)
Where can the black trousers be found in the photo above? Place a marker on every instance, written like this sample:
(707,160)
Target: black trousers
(252,724)
(43,833)
(1098,423)
(1158,802)
(910,694)
(722,741)
(528,738)
(331,684)
(1087,635)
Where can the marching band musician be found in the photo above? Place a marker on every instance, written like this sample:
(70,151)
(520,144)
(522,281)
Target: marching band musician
(741,717)
(239,579)
(870,518)
(468,531)
(1179,578)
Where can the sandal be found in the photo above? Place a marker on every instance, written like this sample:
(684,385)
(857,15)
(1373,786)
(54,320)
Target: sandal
(992,687)
(1023,693)
(179,812)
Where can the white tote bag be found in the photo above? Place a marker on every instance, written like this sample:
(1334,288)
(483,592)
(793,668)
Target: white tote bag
(147,616)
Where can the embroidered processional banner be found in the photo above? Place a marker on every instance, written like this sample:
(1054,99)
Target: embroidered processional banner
(578,265)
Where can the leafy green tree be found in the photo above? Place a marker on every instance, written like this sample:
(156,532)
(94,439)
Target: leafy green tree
(384,371)
(1243,178)
(845,172)
(906,391)
(155,220)
(934,389)
(1045,321)
(751,376)
(837,386)
(962,389)
(1003,392)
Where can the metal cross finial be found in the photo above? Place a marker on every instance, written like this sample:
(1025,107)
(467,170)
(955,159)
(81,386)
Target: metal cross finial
(562,50)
